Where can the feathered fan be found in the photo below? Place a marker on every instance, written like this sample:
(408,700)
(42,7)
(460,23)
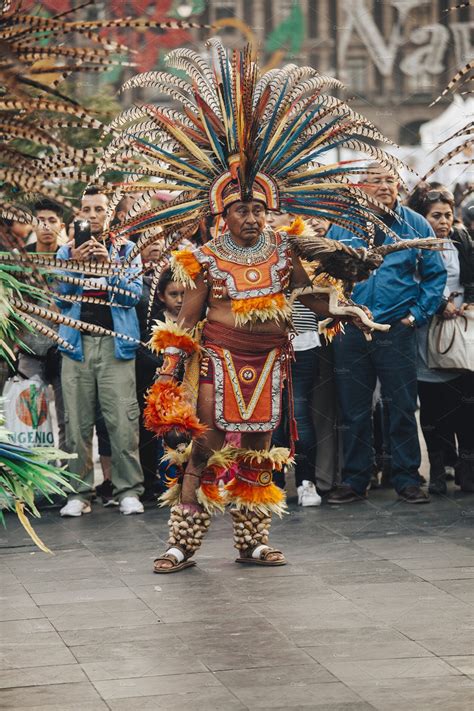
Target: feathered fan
(351,264)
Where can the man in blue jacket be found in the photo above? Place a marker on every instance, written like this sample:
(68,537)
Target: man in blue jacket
(405,292)
(102,366)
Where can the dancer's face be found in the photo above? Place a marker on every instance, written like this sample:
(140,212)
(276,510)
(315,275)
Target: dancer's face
(246,221)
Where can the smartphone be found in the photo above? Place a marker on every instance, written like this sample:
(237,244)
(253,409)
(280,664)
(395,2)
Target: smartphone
(82,232)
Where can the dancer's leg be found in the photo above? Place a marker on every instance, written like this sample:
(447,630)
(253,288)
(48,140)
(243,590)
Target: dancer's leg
(252,522)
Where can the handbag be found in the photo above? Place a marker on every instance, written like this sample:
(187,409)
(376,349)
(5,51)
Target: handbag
(451,342)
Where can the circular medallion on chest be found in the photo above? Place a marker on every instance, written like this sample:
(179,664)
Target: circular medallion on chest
(247,374)
(253,275)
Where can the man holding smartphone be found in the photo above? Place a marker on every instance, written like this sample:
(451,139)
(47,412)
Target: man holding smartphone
(101,367)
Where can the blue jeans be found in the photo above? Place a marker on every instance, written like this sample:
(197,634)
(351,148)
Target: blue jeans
(304,371)
(391,357)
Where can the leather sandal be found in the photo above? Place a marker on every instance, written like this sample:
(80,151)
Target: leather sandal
(262,558)
(186,563)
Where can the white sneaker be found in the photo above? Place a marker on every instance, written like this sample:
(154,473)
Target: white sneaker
(131,505)
(75,507)
(307,494)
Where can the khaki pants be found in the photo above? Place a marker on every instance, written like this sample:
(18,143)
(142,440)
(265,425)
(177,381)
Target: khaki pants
(113,380)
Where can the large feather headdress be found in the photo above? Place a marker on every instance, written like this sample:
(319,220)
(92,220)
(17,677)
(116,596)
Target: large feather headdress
(239,135)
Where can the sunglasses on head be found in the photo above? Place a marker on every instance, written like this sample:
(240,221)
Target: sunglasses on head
(433,195)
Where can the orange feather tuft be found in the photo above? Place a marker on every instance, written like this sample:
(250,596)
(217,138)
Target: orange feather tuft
(167,408)
(258,303)
(163,338)
(296,228)
(263,498)
(185,261)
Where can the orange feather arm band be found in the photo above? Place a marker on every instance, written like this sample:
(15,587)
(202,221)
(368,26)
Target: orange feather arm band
(185,267)
(171,335)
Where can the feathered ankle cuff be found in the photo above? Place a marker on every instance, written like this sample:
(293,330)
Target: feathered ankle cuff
(252,488)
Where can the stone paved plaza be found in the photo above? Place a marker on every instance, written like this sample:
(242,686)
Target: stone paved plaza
(375,611)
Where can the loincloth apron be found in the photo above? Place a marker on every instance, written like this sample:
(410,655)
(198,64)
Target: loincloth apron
(248,371)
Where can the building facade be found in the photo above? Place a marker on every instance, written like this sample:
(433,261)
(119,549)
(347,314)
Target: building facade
(394,56)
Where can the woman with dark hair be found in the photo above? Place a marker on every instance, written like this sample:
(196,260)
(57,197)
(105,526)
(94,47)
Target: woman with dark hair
(447,397)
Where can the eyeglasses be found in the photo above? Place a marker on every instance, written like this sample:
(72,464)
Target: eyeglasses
(379,181)
(433,195)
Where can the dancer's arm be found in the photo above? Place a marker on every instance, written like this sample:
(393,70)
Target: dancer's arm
(194,302)
(299,279)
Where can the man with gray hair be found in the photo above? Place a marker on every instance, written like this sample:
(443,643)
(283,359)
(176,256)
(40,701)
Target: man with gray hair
(405,291)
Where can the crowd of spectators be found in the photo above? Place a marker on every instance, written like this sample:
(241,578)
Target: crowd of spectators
(355,401)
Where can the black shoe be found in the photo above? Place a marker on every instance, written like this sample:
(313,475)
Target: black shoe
(437,474)
(343,494)
(414,495)
(465,472)
(105,492)
(438,487)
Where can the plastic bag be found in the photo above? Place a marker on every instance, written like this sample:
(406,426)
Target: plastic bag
(27,412)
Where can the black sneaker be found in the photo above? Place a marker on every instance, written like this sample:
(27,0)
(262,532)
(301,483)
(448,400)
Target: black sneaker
(105,492)
(414,495)
(343,494)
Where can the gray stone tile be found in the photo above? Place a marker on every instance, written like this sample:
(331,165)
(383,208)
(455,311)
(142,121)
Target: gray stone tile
(13,630)
(448,643)
(98,620)
(460,589)
(117,635)
(41,676)
(290,696)
(351,706)
(212,698)
(155,685)
(117,608)
(248,658)
(42,649)
(159,647)
(13,590)
(20,611)
(388,591)
(63,705)
(167,663)
(377,644)
(379,669)
(447,693)
(464,664)
(303,675)
(442,562)
(424,547)
(61,696)
(68,597)
(446,573)
(93,583)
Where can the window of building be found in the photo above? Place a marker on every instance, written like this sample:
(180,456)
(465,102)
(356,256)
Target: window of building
(420,83)
(355,75)
(222,10)
(247,9)
(410,133)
